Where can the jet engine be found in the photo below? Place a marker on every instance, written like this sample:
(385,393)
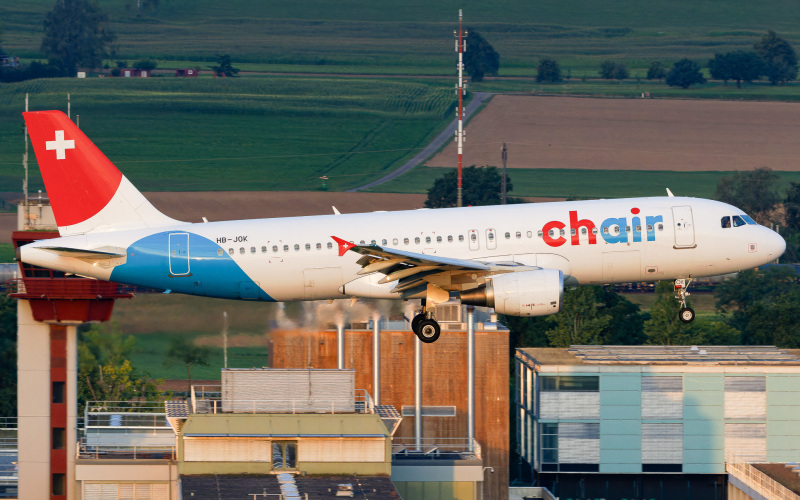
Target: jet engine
(525,293)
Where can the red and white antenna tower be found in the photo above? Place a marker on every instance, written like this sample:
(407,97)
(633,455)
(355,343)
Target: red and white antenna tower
(461,47)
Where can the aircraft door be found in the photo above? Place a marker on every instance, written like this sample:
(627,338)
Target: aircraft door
(683,226)
(474,240)
(491,239)
(179,254)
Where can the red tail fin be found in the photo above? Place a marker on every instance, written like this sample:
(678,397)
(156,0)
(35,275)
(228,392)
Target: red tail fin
(86,190)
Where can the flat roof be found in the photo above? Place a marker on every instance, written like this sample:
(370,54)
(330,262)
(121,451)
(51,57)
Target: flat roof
(662,355)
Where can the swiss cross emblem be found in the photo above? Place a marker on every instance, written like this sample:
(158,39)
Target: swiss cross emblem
(60,145)
(344,246)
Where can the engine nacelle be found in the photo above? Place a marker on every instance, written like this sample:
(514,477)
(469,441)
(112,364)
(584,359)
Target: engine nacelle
(526,293)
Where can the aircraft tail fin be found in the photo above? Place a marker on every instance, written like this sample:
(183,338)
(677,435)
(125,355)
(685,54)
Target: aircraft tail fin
(87,192)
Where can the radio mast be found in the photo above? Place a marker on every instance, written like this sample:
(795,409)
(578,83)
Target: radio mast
(461,47)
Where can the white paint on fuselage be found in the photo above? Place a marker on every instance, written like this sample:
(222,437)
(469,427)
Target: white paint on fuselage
(280,273)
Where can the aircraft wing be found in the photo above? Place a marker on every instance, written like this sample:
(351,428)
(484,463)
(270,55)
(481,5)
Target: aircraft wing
(414,270)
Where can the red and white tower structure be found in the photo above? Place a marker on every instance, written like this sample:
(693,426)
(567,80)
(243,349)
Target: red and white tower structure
(461,47)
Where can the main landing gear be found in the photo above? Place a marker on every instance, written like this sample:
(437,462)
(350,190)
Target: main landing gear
(425,327)
(686,314)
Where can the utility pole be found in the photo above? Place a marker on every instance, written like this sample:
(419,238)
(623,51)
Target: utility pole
(504,154)
(25,166)
(461,47)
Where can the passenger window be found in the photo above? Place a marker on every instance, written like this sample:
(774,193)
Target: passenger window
(230,251)
(573,232)
(274,248)
(296,247)
(319,246)
(540,234)
(362,242)
(638,229)
(285,248)
(605,230)
(627,229)
(394,241)
(416,240)
(594,230)
(460,237)
(384,242)
(726,221)
(530,234)
(449,238)
(438,239)
(263,249)
(562,232)
(519,235)
(241,250)
(649,228)
(738,221)
(372,242)
(473,237)
(405,241)
(252,249)
(330,245)
(508,236)
(427,239)
(308,246)
(491,236)
(660,227)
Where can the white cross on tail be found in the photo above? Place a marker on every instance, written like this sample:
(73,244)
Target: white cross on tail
(60,145)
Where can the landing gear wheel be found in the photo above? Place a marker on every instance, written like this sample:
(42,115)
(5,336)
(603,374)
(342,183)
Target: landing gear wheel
(416,320)
(686,314)
(428,330)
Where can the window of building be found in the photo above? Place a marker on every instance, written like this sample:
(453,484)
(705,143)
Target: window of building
(284,455)
(584,383)
(662,397)
(570,447)
(746,398)
(59,484)
(58,392)
(662,447)
(59,438)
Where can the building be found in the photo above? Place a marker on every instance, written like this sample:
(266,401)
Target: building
(441,384)
(653,422)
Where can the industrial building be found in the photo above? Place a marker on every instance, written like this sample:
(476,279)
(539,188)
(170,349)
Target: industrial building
(654,421)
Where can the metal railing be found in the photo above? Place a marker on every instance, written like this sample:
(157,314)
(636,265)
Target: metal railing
(208,399)
(123,452)
(436,448)
(738,466)
(67,287)
(8,434)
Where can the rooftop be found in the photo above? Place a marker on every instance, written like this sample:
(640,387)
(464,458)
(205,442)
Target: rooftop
(224,486)
(662,355)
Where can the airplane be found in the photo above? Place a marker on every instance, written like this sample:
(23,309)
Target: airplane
(516,259)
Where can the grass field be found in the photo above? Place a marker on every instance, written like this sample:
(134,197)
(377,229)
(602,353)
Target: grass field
(414,36)
(275,133)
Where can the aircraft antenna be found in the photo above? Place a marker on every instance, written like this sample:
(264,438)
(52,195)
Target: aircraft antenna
(461,47)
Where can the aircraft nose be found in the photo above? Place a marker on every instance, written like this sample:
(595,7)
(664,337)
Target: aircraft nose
(775,244)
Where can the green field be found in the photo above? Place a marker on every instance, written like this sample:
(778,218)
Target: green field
(415,36)
(269,133)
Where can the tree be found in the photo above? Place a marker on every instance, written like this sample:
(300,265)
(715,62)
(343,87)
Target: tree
(684,73)
(481,186)
(764,305)
(739,66)
(755,192)
(780,59)
(548,71)
(190,355)
(145,64)
(224,66)
(75,35)
(581,320)
(104,371)
(656,71)
(480,57)
(612,70)
(664,327)
(792,206)
(8,356)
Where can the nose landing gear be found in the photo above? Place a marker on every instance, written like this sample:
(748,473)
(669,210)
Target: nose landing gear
(686,314)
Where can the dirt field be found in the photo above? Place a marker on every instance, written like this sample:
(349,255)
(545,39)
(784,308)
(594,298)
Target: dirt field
(631,134)
(227,205)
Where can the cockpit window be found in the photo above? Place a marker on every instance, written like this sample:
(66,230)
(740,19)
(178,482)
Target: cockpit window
(749,220)
(726,221)
(738,221)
